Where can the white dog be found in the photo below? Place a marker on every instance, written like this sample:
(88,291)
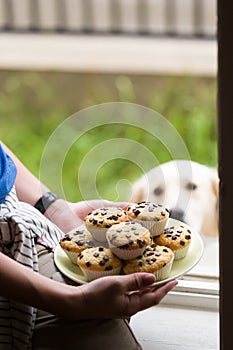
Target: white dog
(188,189)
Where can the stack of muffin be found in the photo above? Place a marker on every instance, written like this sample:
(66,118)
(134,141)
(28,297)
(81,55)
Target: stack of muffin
(113,241)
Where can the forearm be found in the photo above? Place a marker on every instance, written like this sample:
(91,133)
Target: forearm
(106,297)
(19,283)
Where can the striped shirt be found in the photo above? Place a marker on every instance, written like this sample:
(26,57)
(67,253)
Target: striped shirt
(21,225)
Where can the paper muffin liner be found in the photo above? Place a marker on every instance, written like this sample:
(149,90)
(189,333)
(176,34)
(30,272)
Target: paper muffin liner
(181,253)
(163,273)
(71,255)
(155,227)
(92,275)
(127,254)
(98,233)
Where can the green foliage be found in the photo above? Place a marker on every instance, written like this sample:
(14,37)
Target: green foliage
(33,105)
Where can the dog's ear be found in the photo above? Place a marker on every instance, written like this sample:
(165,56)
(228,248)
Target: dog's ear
(139,190)
(215,183)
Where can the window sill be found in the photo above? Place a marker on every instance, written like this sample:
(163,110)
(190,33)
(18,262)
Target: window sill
(112,54)
(167,327)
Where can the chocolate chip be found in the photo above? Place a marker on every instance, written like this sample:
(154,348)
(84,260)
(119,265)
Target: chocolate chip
(88,264)
(150,261)
(80,242)
(150,253)
(124,246)
(141,263)
(96,254)
(101,249)
(136,212)
(66,238)
(187,237)
(182,243)
(79,233)
(108,268)
(89,242)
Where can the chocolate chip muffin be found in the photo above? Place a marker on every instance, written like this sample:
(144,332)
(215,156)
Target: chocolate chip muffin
(177,238)
(127,240)
(152,216)
(75,241)
(155,259)
(98,262)
(99,220)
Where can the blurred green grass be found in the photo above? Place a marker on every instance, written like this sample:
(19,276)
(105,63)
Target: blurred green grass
(34,104)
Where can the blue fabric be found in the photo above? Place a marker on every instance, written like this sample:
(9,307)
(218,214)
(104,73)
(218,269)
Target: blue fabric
(8,173)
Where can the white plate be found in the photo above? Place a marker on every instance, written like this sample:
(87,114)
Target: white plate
(179,267)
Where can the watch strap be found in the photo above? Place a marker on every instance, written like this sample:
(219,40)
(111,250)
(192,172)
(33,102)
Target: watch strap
(45,201)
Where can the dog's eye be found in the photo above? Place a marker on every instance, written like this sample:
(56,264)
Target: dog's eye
(158,191)
(191,186)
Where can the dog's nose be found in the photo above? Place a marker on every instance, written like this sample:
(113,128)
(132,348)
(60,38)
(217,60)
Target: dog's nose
(177,214)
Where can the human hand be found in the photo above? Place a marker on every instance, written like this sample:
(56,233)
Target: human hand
(67,215)
(81,209)
(116,296)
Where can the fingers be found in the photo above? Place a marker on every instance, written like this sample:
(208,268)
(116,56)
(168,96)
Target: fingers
(149,297)
(160,292)
(136,281)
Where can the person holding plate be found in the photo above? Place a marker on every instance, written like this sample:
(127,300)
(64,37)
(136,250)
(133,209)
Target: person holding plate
(39,307)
